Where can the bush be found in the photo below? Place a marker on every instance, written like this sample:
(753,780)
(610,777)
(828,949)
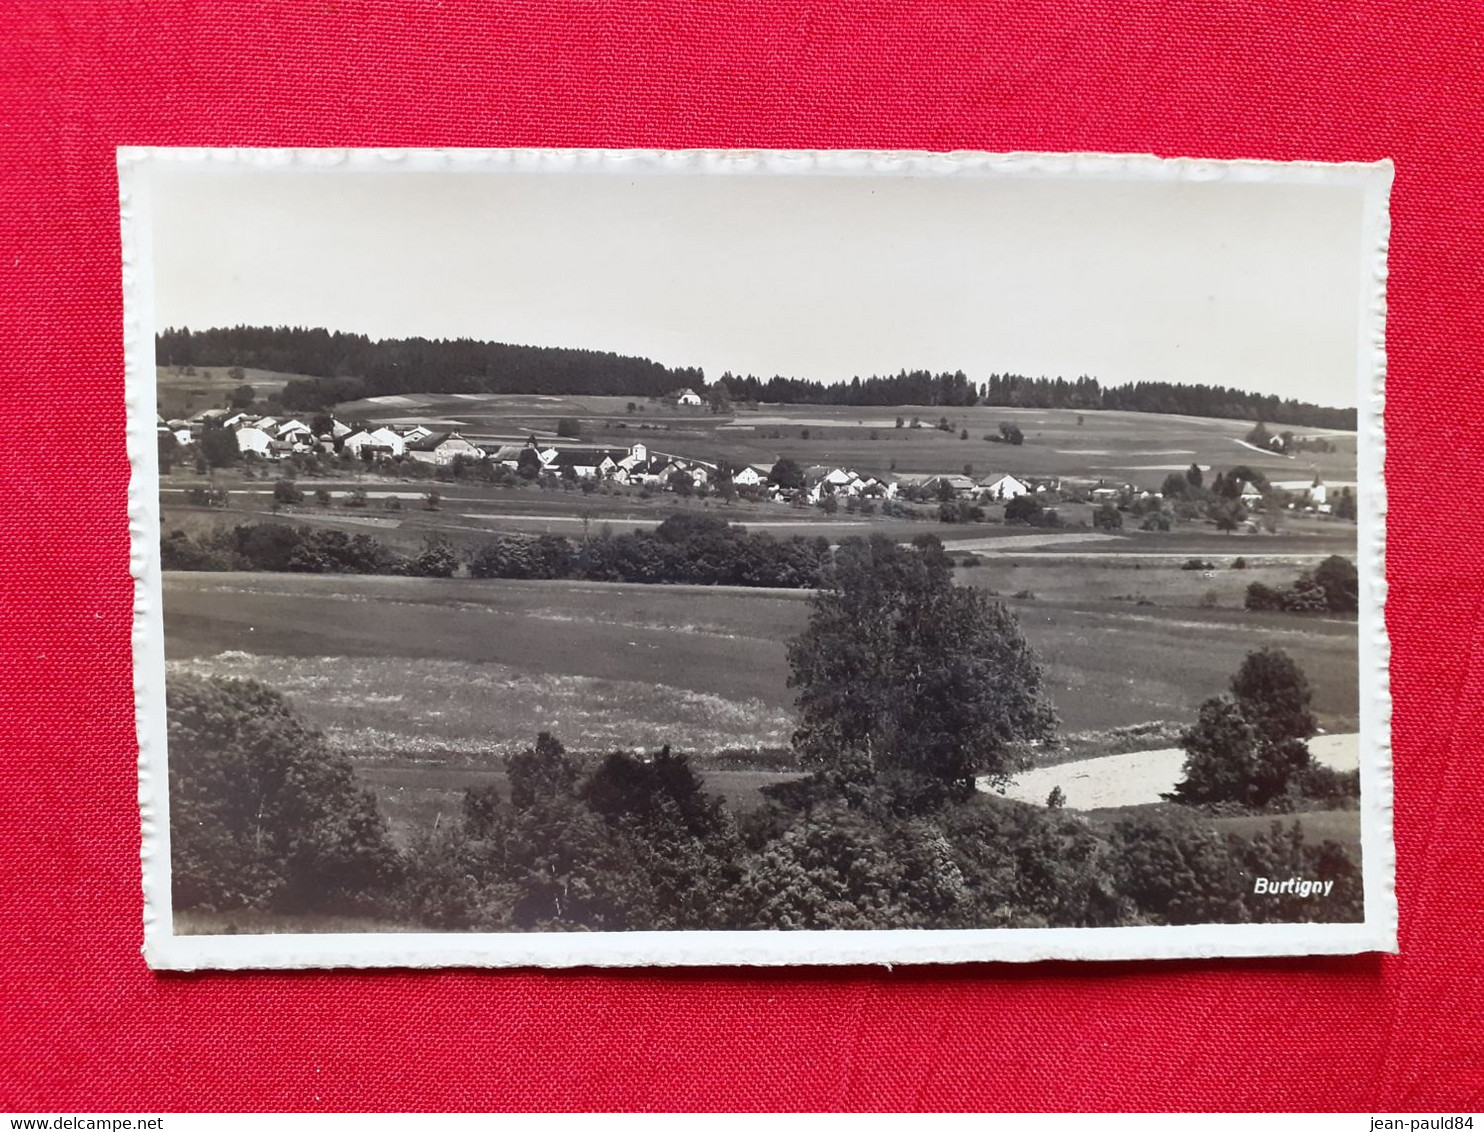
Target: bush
(1107,517)
(1262,598)
(1340,581)
(1239,563)
(1024,510)
(437,560)
(1156,521)
(1197,564)
(1177,872)
(960,511)
(284,491)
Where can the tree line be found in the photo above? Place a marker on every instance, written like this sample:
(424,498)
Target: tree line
(685,548)
(348,366)
(910,689)
(342,367)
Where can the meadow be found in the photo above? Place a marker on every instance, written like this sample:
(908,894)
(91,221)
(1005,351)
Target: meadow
(427,682)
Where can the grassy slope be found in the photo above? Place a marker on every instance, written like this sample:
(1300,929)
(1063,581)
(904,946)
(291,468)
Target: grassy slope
(1110,663)
(179,395)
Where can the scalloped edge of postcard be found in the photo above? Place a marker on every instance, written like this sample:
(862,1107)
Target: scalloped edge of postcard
(164,950)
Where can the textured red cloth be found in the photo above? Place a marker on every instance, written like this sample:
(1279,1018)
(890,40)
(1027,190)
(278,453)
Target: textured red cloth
(85,1026)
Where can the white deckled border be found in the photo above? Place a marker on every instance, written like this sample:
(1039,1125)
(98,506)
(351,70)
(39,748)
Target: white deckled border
(165,950)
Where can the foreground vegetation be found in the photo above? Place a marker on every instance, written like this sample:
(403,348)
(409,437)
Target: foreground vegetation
(909,690)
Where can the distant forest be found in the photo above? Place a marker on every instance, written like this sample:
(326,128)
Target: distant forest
(348,366)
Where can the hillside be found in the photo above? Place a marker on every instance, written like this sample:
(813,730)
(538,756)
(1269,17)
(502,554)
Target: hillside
(341,366)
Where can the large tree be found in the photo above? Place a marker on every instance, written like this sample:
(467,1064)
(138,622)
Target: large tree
(264,814)
(786,474)
(903,675)
(1250,747)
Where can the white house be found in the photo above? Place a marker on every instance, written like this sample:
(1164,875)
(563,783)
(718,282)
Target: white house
(416,433)
(442,447)
(389,439)
(1003,488)
(253,440)
(293,431)
(748,477)
(688,397)
(339,429)
(235,419)
(383,440)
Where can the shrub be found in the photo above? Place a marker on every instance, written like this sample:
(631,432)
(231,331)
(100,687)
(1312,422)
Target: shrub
(1176,872)
(1340,581)
(437,560)
(1262,598)
(1024,509)
(1107,517)
(1156,521)
(1239,563)
(284,491)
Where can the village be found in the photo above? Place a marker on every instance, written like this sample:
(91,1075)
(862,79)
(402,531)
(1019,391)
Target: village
(388,448)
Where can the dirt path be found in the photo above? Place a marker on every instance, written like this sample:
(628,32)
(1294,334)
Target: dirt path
(1141,777)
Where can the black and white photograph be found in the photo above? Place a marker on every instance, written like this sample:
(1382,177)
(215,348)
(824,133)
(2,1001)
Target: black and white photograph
(618,558)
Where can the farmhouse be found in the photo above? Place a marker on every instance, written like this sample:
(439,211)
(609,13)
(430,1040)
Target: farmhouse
(687,397)
(588,463)
(1003,488)
(442,448)
(253,440)
(416,433)
(382,442)
(749,477)
(959,485)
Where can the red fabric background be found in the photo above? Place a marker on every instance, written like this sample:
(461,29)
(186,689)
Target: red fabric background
(84,1025)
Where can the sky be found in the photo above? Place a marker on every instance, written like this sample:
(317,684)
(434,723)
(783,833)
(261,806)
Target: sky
(1255,286)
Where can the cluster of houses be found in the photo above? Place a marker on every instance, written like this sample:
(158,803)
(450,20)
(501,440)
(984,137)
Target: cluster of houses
(273,438)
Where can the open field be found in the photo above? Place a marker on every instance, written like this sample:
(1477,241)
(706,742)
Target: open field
(712,657)
(181,395)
